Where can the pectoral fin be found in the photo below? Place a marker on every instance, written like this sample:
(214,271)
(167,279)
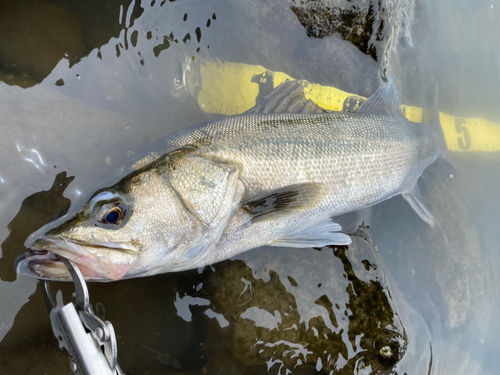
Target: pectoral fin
(318,234)
(282,203)
(414,198)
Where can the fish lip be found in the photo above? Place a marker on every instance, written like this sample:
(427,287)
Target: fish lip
(47,243)
(47,249)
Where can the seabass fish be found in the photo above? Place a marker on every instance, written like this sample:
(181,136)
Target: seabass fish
(224,187)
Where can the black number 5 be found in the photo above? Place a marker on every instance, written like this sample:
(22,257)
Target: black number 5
(464,140)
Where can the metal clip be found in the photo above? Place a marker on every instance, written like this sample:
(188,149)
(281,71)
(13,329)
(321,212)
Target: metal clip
(90,341)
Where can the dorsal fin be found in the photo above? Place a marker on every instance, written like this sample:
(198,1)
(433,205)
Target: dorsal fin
(385,99)
(288,97)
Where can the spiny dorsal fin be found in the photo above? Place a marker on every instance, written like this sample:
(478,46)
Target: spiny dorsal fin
(285,201)
(385,99)
(288,97)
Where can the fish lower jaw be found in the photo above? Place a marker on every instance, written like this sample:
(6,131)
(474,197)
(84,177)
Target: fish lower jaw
(96,261)
(47,265)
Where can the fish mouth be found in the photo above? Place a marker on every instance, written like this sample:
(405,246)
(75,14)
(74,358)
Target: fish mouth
(108,261)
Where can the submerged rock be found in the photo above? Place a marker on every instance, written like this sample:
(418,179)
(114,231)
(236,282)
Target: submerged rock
(355,323)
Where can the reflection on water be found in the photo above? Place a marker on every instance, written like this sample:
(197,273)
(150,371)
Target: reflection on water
(104,78)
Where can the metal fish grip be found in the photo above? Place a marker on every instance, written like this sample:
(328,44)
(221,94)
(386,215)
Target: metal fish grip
(90,341)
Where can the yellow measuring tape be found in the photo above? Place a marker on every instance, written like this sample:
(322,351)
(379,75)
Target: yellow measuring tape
(233,88)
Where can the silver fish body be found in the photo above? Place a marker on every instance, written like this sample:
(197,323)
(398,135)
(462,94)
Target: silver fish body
(210,192)
(361,159)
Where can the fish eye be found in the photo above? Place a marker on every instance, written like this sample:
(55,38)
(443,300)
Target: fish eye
(112,213)
(112,216)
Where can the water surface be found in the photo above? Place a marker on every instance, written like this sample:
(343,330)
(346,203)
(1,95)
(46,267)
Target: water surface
(85,86)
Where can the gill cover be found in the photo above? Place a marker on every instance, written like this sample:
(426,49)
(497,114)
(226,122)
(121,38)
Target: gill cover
(205,187)
(211,192)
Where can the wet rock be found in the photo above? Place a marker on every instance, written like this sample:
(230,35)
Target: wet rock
(361,23)
(266,329)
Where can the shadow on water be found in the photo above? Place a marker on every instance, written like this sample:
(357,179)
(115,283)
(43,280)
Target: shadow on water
(36,210)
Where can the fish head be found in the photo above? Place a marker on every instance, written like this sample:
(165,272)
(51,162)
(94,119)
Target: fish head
(157,219)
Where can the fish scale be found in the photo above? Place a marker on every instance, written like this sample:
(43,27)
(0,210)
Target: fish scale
(368,152)
(215,190)
(362,159)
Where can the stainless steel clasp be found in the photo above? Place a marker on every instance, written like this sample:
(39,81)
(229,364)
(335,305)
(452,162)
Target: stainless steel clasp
(90,341)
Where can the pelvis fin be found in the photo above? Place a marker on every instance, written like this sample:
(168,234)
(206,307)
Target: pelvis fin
(414,198)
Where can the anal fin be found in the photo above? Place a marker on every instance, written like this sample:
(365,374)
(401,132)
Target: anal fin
(318,234)
(414,198)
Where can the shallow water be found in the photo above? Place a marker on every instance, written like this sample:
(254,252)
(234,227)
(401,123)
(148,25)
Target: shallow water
(83,87)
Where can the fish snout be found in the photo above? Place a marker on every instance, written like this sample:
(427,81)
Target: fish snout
(43,244)
(42,237)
